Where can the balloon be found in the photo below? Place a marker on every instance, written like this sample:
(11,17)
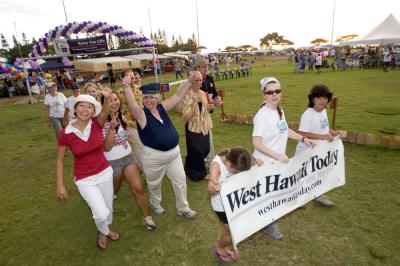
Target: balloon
(21,75)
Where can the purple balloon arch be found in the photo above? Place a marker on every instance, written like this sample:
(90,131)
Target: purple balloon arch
(87,27)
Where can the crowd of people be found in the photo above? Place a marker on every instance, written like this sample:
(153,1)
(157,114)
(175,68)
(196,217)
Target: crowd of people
(128,131)
(342,58)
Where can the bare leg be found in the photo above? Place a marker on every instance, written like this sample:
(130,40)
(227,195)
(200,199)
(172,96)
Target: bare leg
(132,176)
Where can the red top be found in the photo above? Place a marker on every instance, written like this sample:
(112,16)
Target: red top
(89,156)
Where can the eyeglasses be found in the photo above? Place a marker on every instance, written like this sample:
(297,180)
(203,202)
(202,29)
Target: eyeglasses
(272,92)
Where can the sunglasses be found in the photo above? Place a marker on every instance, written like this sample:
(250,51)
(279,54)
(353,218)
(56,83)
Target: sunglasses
(272,92)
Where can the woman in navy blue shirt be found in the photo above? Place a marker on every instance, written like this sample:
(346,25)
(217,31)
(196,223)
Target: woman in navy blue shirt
(161,153)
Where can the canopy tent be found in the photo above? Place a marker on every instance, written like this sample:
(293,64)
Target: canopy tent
(176,55)
(387,32)
(50,65)
(100,64)
(146,56)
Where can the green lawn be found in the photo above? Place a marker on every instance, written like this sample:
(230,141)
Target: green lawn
(363,229)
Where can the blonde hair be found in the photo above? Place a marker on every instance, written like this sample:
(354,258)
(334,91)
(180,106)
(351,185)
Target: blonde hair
(89,84)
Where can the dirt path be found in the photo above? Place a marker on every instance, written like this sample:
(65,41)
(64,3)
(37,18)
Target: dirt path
(21,99)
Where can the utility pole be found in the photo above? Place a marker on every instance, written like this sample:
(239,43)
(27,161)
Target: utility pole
(333,19)
(23,65)
(65,12)
(197,20)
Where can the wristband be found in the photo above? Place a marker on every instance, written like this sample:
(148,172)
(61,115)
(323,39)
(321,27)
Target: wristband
(302,140)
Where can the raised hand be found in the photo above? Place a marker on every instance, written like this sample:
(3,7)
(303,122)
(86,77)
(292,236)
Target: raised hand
(127,80)
(106,92)
(114,120)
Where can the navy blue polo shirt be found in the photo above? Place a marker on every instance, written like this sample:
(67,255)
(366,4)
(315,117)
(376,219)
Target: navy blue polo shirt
(158,135)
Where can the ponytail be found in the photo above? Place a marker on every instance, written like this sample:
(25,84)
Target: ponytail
(279,111)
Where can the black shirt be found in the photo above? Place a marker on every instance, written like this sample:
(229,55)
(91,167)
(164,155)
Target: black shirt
(208,86)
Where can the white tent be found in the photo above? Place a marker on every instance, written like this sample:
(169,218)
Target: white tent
(387,32)
(176,55)
(100,64)
(145,56)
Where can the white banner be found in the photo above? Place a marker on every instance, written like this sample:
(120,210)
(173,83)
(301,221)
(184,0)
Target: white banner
(61,47)
(256,198)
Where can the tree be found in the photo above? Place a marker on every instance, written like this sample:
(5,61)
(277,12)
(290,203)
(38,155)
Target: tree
(271,39)
(318,41)
(24,39)
(165,39)
(180,41)
(346,38)
(4,43)
(246,47)
(285,43)
(141,31)
(15,42)
(194,40)
(4,46)
(231,49)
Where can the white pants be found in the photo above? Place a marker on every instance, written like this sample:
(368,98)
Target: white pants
(99,196)
(137,145)
(158,163)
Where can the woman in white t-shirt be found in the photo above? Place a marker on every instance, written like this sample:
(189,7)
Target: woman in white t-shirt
(271,132)
(314,125)
(55,108)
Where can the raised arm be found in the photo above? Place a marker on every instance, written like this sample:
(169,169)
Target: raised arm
(136,111)
(105,110)
(66,117)
(190,107)
(108,142)
(183,89)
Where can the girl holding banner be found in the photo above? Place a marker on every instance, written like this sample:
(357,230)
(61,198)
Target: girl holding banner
(226,163)
(270,134)
(314,125)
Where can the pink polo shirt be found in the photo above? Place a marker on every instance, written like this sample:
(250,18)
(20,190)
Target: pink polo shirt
(89,155)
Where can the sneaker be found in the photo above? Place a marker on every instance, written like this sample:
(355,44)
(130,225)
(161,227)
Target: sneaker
(157,209)
(149,223)
(324,201)
(188,213)
(115,197)
(273,231)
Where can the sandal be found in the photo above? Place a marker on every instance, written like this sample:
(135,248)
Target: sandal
(233,254)
(222,258)
(114,236)
(101,241)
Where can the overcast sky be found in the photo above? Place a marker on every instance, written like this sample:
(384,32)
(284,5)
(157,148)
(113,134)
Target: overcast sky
(221,22)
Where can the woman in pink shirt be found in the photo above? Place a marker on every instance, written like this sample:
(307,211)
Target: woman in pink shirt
(93,175)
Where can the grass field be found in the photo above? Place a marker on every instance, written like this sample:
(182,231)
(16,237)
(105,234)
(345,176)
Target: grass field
(363,229)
